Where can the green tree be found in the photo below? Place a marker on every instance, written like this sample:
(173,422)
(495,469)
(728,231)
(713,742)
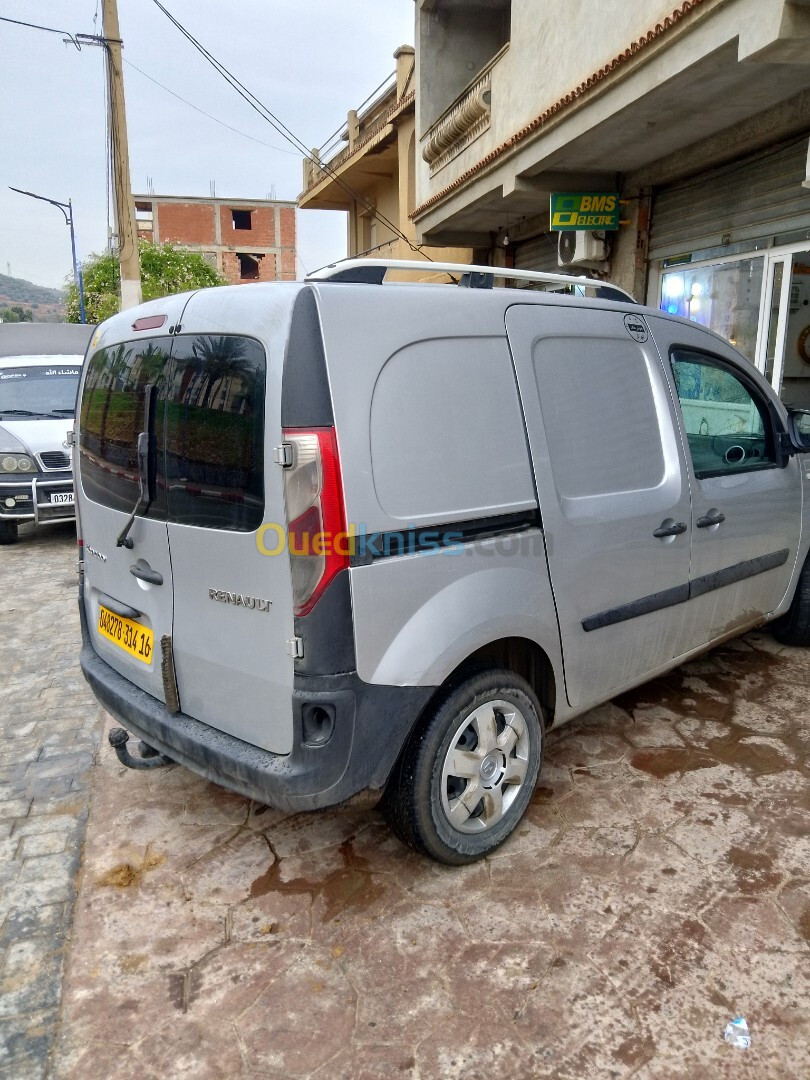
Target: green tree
(16,314)
(165,269)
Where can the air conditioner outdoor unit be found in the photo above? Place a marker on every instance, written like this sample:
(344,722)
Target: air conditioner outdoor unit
(582,249)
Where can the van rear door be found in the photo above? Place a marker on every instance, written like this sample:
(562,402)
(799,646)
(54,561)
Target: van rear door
(128,585)
(232,601)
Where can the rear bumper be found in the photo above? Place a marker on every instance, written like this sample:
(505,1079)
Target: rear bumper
(371,724)
(32,498)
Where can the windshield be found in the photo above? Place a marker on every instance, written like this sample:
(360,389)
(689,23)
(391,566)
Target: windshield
(39,391)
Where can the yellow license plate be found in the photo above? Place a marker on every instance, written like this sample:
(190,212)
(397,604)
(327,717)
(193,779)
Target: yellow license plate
(134,638)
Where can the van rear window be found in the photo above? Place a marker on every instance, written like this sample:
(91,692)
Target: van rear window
(111,415)
(209,424)
(215,433)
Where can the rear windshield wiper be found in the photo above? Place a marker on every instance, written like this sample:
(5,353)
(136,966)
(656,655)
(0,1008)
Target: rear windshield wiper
(147,465)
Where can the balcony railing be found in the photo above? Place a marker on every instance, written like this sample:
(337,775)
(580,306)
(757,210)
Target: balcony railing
(460,125)
(314,172)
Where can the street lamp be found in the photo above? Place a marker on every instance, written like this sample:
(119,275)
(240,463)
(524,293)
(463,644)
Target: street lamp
(67,210)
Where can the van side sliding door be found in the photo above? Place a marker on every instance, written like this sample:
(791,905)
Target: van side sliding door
(611,481)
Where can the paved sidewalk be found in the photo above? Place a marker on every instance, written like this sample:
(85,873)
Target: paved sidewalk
(657,888)
(49,729)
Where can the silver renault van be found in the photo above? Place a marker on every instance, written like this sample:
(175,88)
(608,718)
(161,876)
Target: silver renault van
(345,539)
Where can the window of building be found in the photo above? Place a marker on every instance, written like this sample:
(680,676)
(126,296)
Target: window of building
(144,215)
(241,219)
(248,266)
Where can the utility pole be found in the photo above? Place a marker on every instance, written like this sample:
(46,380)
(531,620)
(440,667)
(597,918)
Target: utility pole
(124,206)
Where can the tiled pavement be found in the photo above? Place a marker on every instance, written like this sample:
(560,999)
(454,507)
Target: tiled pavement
(49,729)
(659,885)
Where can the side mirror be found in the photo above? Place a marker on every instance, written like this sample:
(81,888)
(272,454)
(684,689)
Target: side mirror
(799,430)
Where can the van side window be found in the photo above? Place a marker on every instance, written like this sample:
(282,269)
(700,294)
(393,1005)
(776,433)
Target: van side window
(600,416)
(112,416)
(215,432)
(727,426)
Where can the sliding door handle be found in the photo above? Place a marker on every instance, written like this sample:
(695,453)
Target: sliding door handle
(714,517)
(675,529)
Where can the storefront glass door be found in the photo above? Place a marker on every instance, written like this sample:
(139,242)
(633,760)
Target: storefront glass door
(760,303)
(791,366)
(723,296)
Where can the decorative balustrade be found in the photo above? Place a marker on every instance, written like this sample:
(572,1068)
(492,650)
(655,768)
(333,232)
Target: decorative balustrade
(460,125)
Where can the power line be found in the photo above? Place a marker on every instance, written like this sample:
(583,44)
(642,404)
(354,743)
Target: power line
(202,112)
(47,29)
(283,130)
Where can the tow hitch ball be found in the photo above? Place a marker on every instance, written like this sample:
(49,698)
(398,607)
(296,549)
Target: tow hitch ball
(148,757)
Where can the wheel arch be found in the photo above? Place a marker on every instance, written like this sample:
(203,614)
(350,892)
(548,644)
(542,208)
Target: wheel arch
(521,655)
(524,657)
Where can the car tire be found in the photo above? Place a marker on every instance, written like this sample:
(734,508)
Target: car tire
(793,628)
(483,736)
(8,532)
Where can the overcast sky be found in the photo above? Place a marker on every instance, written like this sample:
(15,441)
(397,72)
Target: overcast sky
(309,61)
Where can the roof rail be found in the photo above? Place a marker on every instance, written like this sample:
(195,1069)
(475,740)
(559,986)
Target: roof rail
(373,271)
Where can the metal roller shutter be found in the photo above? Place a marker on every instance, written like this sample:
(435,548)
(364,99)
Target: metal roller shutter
(539,253)
(759,196)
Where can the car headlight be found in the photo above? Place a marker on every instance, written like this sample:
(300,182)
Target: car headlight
(17,463)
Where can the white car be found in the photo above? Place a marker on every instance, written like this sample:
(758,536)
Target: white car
(37,408)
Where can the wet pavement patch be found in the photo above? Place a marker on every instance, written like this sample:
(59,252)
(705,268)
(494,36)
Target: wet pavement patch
(656,889)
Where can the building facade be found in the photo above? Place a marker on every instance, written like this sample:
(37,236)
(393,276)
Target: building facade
(696,114)
(245,241)
(373,176)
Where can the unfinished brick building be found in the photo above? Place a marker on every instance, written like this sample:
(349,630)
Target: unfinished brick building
(245,241)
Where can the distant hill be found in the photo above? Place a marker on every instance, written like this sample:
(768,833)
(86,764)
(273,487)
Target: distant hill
(48,305)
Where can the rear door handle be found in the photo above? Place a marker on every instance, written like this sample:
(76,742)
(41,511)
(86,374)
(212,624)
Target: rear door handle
(710,519)
(675,529)
(145,573)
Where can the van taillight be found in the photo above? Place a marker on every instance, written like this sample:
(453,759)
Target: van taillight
(316,519)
